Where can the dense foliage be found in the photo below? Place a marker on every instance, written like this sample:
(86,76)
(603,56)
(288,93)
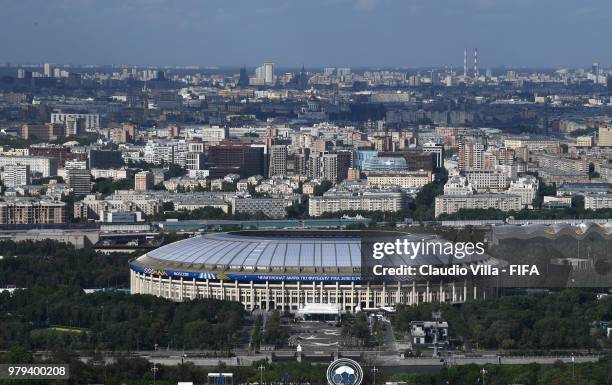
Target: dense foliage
(67,318)
(596,373)
(530,322)
(356,330)
(137,371)
(51,263)
(275,333)
(107,186)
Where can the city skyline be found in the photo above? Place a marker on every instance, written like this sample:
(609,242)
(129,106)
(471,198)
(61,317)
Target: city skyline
(361,33)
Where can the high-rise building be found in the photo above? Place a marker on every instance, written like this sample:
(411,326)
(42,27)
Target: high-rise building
(324,165)
(78,180)
(195,161)
(243,80)
(48,70)
(471,155)
(278,160)
(345,159)
(438,150)
(143,181)
(330,167)
(264,75)
(268,73)
(301,160)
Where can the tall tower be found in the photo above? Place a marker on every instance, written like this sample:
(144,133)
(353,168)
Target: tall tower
(268,73)
(476,74)
(465,74)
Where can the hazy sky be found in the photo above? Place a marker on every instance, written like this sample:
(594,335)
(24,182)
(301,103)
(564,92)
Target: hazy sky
(392,33)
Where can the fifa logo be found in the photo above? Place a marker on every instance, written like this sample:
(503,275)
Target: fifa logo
(344,371)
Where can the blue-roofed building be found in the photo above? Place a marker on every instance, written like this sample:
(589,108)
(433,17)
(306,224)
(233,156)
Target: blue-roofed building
(362,156)
(385,163)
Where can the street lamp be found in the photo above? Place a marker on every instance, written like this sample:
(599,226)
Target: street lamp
(154,369)
(483,371)
(374,370)
(261,369)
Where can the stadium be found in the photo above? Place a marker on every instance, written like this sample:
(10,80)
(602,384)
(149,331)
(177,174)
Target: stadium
(297,271)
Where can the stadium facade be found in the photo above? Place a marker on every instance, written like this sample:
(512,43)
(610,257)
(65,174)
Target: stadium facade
(289,270)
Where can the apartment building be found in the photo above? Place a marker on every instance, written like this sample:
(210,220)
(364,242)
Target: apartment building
(387,201)
(401,179)
(449,204)
(28,211)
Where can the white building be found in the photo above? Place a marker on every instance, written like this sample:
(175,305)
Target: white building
(437,149)
(45,166)
(597,201)
(195,161)
(487,180)
(449,204)
(458,185)
(368,200)
(214,134)
(90,121)
(526,187)
(16,175)
(406,179)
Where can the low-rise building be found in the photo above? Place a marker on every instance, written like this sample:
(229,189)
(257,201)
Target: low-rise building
(401,179)
(458,185)
(487,180)
(46,167)
(450,204)
(570,189)
(526,187)
(32,211)
(597,201)
(364,200)
(92,205)
(271,207)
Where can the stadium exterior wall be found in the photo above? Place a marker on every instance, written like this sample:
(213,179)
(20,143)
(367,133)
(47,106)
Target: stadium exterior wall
(157,274)
(290,296)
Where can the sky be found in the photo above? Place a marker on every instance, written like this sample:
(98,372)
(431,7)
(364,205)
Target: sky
(316,33)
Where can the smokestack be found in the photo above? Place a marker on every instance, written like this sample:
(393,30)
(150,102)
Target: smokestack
(465,74)
(476,74)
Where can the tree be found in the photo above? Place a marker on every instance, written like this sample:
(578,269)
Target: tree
(320,189)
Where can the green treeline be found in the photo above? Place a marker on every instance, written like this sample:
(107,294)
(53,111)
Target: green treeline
(137,371)
(67,318)
(560,320)
(597,373)
(51,263)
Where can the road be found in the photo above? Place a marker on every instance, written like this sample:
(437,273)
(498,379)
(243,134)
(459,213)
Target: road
(175,358)
(390,343)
